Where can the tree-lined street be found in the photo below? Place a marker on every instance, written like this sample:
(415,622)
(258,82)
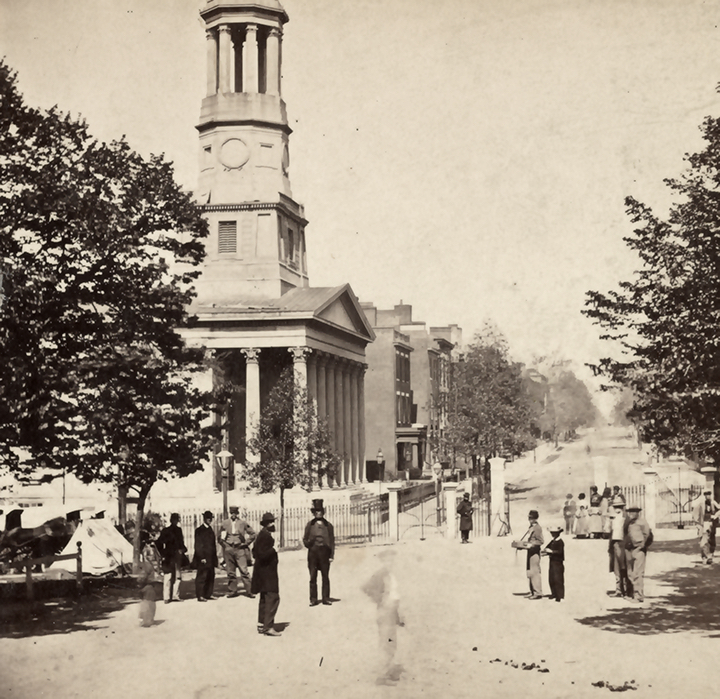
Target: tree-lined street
(468,629)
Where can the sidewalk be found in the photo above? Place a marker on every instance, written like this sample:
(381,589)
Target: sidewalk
(463,609)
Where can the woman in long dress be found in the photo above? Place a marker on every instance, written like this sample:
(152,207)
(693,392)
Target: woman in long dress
(582,525)
(594,517)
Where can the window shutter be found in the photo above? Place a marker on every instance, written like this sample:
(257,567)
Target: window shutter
(227,237)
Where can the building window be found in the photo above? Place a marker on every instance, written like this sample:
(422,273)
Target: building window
(227,237)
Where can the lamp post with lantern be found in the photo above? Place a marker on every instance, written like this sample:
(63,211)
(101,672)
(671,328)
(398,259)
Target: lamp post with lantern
(380,460)
(224,459)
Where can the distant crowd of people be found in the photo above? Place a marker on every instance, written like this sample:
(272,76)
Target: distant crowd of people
(591,519)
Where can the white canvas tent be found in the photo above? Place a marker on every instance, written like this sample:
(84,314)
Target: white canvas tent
(104,549)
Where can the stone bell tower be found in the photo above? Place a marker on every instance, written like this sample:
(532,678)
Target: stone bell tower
(256,246)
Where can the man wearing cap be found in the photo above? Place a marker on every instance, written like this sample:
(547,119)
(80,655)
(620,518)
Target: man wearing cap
(555,550)
(532,540)
(235,537)
(171,546)
(618,564)
(265,576)
(617,497)
(637,537)
(319,540)
(205,558)
(706,514)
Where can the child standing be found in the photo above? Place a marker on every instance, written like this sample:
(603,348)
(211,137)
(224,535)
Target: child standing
(555,550)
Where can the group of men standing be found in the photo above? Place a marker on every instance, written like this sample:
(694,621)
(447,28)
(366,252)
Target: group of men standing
(630,537)
(244,548)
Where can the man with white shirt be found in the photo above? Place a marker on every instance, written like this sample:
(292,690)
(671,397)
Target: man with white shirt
(235,537)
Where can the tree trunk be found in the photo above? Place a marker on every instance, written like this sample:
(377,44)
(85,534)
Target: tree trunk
(122,505)
(137,539)
(282,517)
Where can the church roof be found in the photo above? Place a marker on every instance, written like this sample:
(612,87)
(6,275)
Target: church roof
(335,306)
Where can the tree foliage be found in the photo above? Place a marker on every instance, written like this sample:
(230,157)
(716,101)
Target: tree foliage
(665,319)
(489,409)
(101,249)
(292,446)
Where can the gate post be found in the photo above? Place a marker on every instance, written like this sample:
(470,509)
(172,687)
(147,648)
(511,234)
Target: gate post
(393,503)
(450,493)
(650,495)
(497,495)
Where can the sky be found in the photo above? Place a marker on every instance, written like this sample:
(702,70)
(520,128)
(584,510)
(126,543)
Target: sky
(469,157)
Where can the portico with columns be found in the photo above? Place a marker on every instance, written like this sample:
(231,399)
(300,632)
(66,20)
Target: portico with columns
(255,309)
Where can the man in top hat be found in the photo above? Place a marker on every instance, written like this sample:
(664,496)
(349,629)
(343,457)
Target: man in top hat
(706,514)
(638,536)
(171,546)
(319,540)
(265,576)
(235,537)
(616,551)
(205,558)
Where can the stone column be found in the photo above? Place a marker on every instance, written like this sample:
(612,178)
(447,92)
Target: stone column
(273,62)
(212,62)
(250,59)
(347,420)
(650,477)
(321,378)
(451,523)
(340,419)
(225,59)
(497,495)
(300,368)
(355,422)
(330,403)
(252,397)
(312,378)
(394,511)
(361,420)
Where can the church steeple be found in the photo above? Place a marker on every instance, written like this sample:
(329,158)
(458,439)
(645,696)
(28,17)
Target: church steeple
(256,247)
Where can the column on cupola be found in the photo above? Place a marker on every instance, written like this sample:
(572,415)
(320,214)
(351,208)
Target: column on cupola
(212,63)
(225,59)
(354,420)
(273,61)
(340,446)
(252,397)
(330,405)
(250,59)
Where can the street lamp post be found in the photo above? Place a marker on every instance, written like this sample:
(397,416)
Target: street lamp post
(224,457)
(380,460)
(437,470)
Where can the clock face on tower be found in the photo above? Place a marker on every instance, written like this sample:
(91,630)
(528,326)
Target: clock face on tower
(234,153)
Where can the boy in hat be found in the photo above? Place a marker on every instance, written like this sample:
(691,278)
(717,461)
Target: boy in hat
(235,537)
(205,558)
(319,540)
(555,550)
(265,576)
(706,514)
(638,537)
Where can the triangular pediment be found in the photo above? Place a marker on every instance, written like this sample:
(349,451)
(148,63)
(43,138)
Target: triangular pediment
(343,310)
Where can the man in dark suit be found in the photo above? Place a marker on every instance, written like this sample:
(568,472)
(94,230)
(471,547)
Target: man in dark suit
(235,537)
(171,546)
(265,576)
(205,559)
(319,540)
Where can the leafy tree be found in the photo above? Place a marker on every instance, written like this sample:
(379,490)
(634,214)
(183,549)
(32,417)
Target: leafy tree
(101,250)
(665,318)
(293,444)
(489,408)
